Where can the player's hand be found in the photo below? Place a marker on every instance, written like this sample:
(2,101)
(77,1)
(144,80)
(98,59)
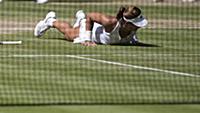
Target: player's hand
(89,43)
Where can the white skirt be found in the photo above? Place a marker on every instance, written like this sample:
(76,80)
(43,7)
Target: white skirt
(100,36)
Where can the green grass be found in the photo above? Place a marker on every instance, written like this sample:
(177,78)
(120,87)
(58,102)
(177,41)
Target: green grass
(172,12)
(73,80)
(30,11)
(61,79)
(105,109)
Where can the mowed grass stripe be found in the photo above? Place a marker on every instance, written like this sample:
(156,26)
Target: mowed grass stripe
(31,11)
(112,63)
(72,80)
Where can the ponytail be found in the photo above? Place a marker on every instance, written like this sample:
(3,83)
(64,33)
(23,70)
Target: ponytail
(120,12)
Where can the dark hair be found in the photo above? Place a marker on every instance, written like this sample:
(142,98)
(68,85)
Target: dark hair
(128,12)
(120,12)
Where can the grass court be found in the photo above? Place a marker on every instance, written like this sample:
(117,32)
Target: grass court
(161,75)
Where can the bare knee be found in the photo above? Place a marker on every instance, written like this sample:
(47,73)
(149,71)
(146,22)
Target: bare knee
(71,34)
(69,37)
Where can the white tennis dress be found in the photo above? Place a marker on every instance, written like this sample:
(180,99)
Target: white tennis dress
(100,36)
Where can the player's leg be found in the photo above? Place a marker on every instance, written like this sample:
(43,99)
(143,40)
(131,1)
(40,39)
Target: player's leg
(50,21)
(45,24)
(80,15)
(65,28)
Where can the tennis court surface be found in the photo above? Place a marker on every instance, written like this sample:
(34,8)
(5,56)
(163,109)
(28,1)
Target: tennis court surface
(159,75)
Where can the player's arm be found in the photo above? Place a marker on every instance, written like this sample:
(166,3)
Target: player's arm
(88,43)
(109,22)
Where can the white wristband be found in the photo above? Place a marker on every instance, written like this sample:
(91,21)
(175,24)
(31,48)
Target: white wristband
(83,36)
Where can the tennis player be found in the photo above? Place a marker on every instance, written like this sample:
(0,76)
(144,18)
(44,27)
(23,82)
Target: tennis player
(97,28)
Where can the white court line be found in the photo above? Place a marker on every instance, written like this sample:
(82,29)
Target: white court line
(112,63)
(153,54)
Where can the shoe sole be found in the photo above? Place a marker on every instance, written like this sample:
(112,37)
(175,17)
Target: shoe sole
(36,31)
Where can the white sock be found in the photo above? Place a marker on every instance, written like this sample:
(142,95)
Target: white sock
(50,21)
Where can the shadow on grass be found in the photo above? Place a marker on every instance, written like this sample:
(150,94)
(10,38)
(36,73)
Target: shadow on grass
(140,44)
(57,39)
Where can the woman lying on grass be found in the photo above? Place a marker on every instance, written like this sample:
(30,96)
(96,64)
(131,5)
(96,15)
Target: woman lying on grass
(96,28)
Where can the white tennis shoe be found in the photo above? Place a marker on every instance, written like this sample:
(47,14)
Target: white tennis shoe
(79,16)
(44,25)
(41,1)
